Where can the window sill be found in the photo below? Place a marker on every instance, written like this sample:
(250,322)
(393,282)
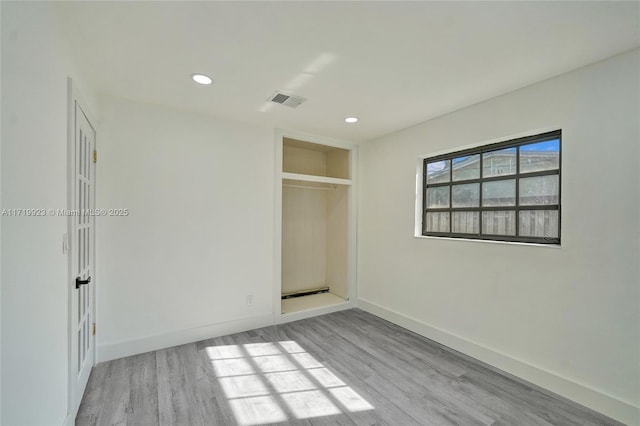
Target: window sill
(515,243)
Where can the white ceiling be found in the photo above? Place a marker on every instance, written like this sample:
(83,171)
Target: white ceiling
(392,64)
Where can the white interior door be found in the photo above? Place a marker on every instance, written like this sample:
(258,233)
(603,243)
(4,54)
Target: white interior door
(82,254)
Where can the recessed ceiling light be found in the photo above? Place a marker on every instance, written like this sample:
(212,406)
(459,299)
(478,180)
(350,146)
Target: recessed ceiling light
(351,119)
(201,79)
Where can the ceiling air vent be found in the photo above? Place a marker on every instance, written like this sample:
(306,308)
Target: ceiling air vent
(286,100)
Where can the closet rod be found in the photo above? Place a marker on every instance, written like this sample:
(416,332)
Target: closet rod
(321,188)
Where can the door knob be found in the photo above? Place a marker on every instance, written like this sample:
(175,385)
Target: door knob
(80,282)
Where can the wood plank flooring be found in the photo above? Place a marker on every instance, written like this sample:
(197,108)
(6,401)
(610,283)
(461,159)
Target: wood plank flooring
(344,368)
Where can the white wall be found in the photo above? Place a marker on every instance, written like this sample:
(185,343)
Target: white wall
(304,239)
(1,225)
(35,67)
(566,318)
(337,246)
(200,235)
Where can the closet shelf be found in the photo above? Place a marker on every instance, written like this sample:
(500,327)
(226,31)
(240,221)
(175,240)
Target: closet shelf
(319,179)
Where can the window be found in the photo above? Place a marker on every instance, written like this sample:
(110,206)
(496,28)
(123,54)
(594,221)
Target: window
(507,191)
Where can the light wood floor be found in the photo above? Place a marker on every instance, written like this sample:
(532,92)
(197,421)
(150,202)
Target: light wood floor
(343,368)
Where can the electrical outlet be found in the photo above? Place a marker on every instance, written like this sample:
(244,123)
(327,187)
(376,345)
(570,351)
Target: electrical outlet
(249,299)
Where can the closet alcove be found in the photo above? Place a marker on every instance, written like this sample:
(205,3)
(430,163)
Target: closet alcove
(317,224)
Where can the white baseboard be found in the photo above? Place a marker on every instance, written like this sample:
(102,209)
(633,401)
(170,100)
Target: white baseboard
(308,313)
(114,350)
(69,420)
(109,351)
(596,400)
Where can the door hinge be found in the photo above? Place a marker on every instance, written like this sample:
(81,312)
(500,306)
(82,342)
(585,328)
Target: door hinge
(94,328)
(95,156)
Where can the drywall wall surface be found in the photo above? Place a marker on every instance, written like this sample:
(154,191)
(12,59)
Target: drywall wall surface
(571,311)
(337,247)
(304,238)
(0,225)
(36,63)
(198,239)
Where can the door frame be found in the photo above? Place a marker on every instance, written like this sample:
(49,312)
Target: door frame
(75,96)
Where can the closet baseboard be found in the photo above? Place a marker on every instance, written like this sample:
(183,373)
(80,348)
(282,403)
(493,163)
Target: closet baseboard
(308,313)
(303,293)
(310,301)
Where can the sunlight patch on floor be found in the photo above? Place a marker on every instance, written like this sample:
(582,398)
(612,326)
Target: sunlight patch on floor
(276,381)
(258,410)
(310,404)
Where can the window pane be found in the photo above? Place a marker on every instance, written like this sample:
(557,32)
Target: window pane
(499,193)
(466,222)
(438,197)
(466,195)
(499,223)
(467,167)
(540,156)
(539,191)
(539,223)
(508,191)
(437,222)
(438,171)
(498,163)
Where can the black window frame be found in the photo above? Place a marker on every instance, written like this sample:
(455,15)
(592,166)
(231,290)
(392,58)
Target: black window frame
(480,150)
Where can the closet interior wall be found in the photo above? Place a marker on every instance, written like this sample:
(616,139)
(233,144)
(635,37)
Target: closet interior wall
(316,191)
(314,237)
